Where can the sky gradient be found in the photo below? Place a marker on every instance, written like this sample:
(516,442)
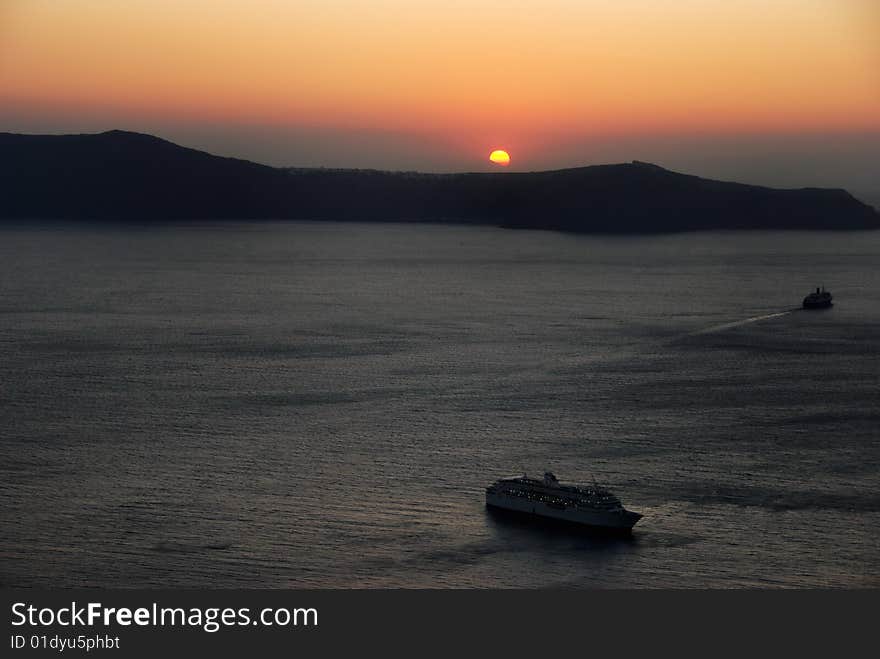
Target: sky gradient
(784,92)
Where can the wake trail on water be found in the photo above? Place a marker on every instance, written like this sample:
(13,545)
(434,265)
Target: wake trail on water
(738,323)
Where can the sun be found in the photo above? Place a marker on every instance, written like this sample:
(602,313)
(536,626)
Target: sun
(500,157)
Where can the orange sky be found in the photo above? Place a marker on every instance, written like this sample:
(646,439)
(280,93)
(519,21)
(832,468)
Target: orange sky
(462,75)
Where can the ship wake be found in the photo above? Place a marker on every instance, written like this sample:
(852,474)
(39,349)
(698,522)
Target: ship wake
(740,323)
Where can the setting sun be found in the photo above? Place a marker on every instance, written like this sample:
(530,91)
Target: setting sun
(500,157)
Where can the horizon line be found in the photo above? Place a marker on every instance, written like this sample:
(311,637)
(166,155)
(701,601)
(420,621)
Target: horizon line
(497,172)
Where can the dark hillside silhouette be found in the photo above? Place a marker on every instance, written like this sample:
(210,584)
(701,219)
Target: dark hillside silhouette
(123,176)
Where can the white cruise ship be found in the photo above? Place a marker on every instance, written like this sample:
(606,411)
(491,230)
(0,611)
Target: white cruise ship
(587,505)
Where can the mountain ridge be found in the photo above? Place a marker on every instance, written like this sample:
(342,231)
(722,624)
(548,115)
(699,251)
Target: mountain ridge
(122,176)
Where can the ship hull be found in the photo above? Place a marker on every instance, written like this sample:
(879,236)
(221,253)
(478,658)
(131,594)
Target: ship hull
(817,305)
(614,522)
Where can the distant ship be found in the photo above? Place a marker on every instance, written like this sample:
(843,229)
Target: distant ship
(587,505)
(821,299)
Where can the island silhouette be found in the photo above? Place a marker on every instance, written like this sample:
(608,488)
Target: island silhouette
(125,176)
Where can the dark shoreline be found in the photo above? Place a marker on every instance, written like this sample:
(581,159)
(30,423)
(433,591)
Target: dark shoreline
(119,176)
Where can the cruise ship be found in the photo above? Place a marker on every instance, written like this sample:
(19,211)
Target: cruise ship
(821,299)
(592,506)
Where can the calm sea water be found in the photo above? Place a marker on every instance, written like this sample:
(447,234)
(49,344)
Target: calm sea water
(299,405)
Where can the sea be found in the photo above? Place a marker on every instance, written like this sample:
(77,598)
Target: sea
(321,405)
